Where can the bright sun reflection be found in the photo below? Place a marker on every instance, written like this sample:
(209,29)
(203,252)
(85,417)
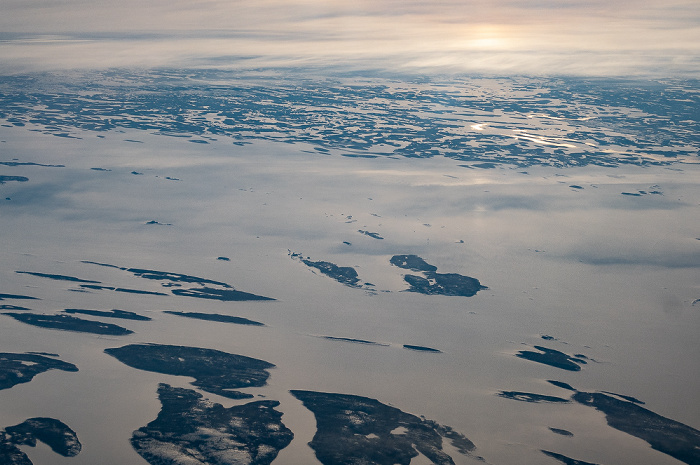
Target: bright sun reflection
(485,37)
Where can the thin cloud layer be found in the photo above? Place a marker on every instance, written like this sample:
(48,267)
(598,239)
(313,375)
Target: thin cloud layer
(589,37)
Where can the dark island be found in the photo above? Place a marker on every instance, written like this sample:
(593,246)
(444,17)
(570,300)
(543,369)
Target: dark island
(668,436)
(566,460)
(4,179)
(214,371)
(359,430)
(627,398)
(432,282)
(343,274)
(120,289)
(663,434)
(70,323)
(530,397)
(55,434)
(412,262)
(226,295)
(373,235)
(561,384)
(12,307)
(346,275)
(17,297)
(209,289)
(216,317)
(553,358)
(561,432)
(22,368)
(356,341)
(29,163)
(121,314)
(57,277)
(161,275)
(421,348)
(450,284)
(189,429)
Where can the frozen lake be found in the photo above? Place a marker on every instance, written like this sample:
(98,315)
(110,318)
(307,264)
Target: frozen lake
(580,217)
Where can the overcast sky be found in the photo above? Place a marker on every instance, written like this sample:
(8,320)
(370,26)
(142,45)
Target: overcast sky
(592,37)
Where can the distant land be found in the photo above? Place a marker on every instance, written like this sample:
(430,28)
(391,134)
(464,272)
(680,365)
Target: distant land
(287,111)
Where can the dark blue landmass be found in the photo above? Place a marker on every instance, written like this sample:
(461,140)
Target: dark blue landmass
(208,288)
(432,282)
(663,434)
(122,314)
(12,307)
(22,368)
(28,163)
(17,297)
(553,358)
(373,235)
(120,289)
(4,179)
(226,295)
(354,340)
(450,284)
(627,398)
(70,323)
(531,397)
(668,436)
(190,429)
(216,317)
(214,371)
(343,274)
(566,460)
(412,262)
(561,384)
(421,348)
(58,277)
(346,275)
(561,432)
(360,430)
(54,433)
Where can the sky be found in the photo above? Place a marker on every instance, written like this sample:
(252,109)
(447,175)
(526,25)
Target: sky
(541,37)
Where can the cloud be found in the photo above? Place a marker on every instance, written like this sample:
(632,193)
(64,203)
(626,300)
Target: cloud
(503,36)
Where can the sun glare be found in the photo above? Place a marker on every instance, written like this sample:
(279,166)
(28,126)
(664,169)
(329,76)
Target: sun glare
(484,37)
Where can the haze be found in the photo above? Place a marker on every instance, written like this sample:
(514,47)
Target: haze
(589,37)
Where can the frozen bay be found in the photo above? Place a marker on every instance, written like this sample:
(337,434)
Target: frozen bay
(579,216)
